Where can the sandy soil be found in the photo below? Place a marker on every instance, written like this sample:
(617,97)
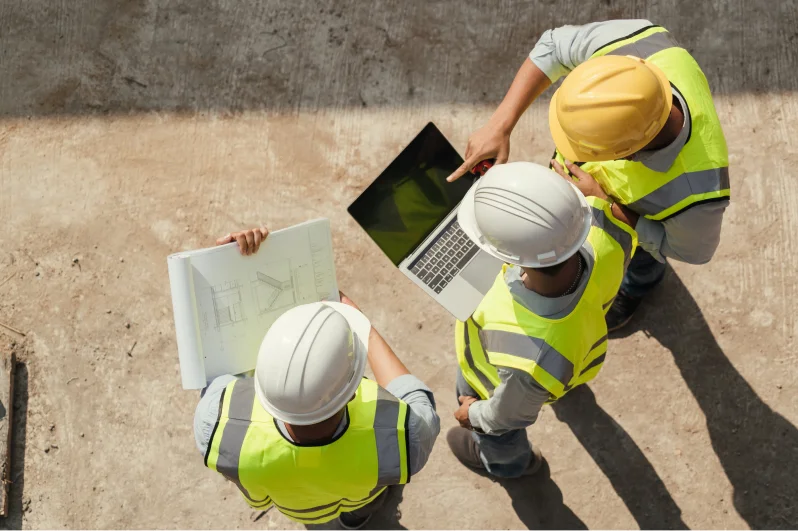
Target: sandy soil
(133,129)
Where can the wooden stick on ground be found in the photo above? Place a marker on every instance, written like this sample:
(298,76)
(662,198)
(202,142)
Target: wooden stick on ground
(12,329)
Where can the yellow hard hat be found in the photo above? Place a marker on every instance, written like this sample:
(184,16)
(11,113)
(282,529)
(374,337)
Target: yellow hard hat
(608,108)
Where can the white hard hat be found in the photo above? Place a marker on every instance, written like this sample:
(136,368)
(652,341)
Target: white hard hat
(525,214)
(311,362)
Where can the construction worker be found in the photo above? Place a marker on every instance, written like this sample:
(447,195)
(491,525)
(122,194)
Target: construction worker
(636,109)
(540,330)
(308,434)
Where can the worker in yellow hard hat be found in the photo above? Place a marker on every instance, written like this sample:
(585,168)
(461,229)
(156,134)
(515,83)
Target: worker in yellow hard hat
(635,112)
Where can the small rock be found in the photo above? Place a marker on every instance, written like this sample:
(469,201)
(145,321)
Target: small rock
(122,260)
(95,246)
(107,311)
(127,325)
(47,450)
(778,386)
(81,434)
(37,273)
(36,263)
(52,427)
(75,260)
(54,446)
(419,326)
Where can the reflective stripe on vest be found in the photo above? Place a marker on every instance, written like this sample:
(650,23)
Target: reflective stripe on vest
(558,354)
(316,483)
(700,172)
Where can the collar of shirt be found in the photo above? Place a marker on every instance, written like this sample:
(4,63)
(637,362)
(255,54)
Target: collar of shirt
(662,159)
(551,308)
(341,427)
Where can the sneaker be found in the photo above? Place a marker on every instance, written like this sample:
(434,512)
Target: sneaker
(621,312)
(465,448)
(352,521)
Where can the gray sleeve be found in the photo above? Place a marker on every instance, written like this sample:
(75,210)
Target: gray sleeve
(207,412)
(560,50)
(691,237)
(515,404)
(423,423)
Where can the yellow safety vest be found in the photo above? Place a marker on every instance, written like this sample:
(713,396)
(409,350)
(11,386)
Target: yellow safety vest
(700,172)
(310,484)
(561,353)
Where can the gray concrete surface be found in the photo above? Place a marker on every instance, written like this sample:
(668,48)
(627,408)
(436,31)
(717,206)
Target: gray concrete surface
(132,129)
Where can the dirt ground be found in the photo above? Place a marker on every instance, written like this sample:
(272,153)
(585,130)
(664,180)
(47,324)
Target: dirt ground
(131,129)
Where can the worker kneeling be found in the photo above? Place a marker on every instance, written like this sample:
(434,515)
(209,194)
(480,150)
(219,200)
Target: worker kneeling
(309,434)
(540,330)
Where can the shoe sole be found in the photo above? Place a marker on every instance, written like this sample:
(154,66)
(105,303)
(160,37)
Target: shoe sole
(621,324)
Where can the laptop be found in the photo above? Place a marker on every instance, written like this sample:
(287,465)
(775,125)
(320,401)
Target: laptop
(410,212)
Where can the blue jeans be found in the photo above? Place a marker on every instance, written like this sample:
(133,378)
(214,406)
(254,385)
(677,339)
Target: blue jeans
(642,275)
(504,456)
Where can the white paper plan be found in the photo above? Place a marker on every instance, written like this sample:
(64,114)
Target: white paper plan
(225,302)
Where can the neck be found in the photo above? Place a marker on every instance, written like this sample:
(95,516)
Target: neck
(552,286)
(316,433)
(671,129)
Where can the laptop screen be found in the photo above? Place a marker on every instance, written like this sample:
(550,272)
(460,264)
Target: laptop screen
(411,197)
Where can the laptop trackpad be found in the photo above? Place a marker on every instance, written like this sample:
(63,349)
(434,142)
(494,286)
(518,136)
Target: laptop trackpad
(481,271)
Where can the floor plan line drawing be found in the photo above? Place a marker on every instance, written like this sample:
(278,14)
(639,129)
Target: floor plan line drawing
(228,307)
(274,287)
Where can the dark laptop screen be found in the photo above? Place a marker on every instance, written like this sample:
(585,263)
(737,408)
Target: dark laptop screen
(411,197)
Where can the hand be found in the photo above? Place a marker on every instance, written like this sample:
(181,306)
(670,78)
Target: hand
(462,412)
(248,240)
(346,300)
(582,179)
(490,142)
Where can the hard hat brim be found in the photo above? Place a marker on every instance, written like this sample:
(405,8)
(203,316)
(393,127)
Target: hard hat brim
(467,219)
(361,328)
(575,153)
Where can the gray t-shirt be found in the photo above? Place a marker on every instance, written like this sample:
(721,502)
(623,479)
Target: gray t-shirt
(692,236)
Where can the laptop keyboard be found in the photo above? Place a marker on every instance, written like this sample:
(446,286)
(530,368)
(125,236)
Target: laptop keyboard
(442,260)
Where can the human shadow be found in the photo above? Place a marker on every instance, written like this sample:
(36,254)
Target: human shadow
(757,447)
(538,502)
(16,506)
(631,474)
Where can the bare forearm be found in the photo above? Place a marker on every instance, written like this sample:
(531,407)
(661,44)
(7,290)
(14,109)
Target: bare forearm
(624,214)
(383,362)
(529,83)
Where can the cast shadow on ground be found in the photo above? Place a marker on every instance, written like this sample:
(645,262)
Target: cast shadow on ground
(121,56)
(757,447)
(16,506)
(631,474)
(538,502)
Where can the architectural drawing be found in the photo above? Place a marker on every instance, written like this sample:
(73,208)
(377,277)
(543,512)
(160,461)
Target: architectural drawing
(228,307)
(273,287)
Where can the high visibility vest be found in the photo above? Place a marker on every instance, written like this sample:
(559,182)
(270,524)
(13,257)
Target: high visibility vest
(561,353)
(700,172)
(311,484)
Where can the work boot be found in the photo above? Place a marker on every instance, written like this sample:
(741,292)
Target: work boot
(352,521)
(465,448)
(621,312)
